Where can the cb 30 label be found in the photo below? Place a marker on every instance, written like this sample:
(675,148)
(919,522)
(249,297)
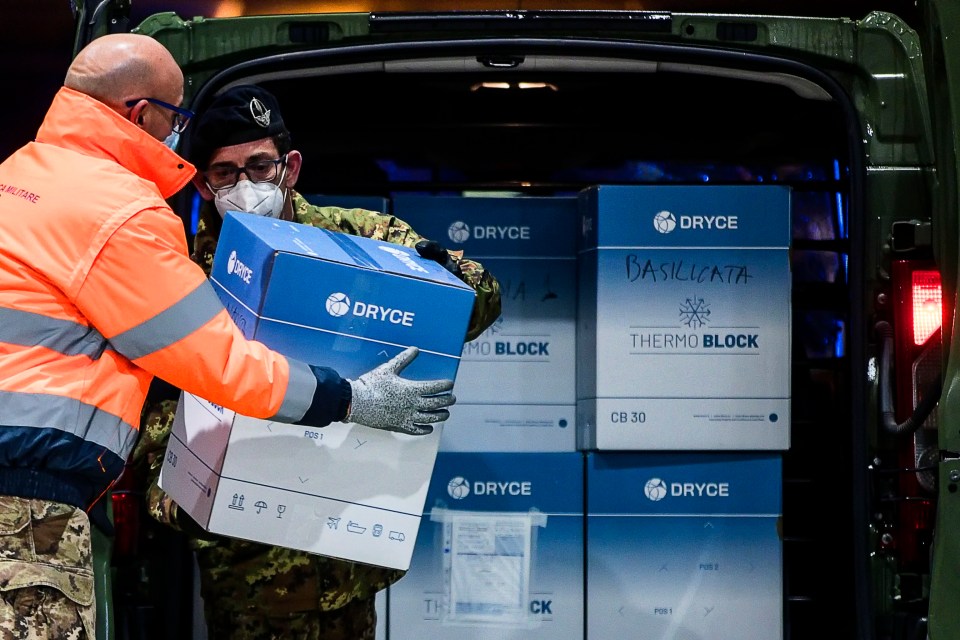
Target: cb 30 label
(628,417)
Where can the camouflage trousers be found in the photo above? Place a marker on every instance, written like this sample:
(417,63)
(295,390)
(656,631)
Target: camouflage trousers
(46,571)
(355,621)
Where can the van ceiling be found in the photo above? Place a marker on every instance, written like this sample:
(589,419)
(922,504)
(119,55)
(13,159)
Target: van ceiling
(565,131)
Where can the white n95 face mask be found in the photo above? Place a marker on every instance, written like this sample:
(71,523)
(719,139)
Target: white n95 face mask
(260,198)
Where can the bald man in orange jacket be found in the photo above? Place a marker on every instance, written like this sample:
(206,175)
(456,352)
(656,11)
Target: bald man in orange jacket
(98,296)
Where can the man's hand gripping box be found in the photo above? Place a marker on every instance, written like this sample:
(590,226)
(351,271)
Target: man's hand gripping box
(330,299)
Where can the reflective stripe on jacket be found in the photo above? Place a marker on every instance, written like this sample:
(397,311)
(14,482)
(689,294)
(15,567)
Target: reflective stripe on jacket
(98,295)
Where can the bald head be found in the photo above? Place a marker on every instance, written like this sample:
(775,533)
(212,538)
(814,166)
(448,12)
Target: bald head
(124,66)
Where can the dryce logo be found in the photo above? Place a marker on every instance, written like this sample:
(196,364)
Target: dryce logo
(657,489)
(237,268)
(459,488)
(666,222)
(338,304)
(460,232)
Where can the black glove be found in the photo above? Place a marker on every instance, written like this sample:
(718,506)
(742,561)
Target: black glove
(191,527)
(433,250)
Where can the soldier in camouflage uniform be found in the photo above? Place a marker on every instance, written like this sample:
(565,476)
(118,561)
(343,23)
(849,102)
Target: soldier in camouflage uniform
(46,574)
(253,591)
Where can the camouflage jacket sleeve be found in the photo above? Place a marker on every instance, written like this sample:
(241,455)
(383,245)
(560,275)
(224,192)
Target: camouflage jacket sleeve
(155,426)
(371,224)
(205,242)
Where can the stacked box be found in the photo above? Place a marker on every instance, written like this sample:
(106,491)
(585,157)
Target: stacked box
(684,318)
(684,545)
(500,551)
(516,385)
(346,490)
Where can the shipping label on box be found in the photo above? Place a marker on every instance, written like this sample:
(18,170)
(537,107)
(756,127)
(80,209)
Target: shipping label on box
(684,318)
(351,303)
(500,551)
(516,387)
(684,545)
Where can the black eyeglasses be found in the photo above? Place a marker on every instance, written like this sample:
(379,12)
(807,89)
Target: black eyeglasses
(222,176)
(181,116)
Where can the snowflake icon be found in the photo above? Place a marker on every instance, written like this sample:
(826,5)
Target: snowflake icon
(694,312)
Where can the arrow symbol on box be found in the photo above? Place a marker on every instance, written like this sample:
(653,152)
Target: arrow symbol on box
(360,443)
(302,479)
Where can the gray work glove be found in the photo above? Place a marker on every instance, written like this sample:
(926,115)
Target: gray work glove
(384,400)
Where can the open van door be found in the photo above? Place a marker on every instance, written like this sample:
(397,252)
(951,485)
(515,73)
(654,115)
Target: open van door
(872,481)
(94,18)
(940,36)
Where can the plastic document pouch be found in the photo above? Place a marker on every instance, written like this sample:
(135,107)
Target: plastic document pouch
(486,566)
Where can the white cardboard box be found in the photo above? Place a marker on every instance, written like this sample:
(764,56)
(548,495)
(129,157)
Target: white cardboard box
(345,490)
(500,551)
(684,318)
(516,387)
(684,545)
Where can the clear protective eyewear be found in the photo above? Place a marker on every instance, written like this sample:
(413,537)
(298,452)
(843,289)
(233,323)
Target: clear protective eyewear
(225,176)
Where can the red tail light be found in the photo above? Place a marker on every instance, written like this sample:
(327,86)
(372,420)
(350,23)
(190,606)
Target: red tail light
(918,314)
(927,302)
(126,517)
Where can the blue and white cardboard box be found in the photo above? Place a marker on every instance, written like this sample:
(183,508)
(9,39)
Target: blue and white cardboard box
(351,303)
(684,545)
(516,389)
(684,318)
(500,551)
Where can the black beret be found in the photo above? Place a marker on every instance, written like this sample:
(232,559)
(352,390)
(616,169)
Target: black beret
(240,114)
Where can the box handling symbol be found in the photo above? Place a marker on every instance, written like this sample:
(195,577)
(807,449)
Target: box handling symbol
(353,527)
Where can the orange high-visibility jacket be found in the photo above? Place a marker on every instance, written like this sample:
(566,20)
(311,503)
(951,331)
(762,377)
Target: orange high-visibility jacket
(98,296)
